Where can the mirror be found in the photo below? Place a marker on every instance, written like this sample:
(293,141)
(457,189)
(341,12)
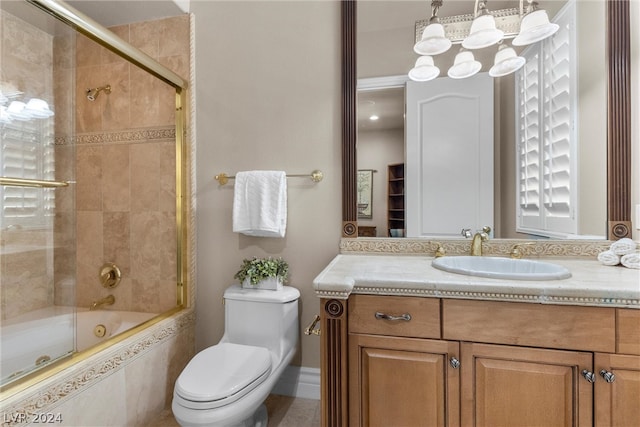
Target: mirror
(385,64)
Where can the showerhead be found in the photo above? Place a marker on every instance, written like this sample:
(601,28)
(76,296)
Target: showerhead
(92,94)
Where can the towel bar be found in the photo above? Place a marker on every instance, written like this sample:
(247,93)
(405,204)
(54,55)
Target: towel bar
(316,176)
(38,183)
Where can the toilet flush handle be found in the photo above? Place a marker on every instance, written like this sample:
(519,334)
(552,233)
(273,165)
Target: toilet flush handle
(311,329)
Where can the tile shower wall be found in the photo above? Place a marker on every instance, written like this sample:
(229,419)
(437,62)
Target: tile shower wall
(125,157)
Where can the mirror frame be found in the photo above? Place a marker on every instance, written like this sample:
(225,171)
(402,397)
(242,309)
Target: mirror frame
(618,119)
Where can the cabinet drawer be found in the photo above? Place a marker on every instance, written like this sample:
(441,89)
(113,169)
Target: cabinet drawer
(424,313)
(525,324)
(628,336)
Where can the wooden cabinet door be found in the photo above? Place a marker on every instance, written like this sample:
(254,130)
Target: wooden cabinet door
(518,386)
(402,382)
(617,402)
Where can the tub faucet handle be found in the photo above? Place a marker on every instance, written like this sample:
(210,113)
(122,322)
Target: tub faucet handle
(110,275)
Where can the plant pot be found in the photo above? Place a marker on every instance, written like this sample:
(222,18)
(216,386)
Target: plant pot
(271,283)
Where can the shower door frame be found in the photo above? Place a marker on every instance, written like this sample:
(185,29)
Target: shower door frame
(90,28)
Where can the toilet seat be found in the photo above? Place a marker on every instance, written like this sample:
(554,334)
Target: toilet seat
(222,374)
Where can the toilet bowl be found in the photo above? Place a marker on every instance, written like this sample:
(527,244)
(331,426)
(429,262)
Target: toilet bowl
(226,384)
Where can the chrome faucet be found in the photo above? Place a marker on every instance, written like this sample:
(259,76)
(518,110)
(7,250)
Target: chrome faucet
(108,300)
(478,238)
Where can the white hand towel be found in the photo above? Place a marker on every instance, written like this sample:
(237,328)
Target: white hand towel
(260,203)
(623,246)
(631,261)
(608,258)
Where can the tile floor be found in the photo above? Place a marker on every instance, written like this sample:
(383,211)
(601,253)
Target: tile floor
(284,411)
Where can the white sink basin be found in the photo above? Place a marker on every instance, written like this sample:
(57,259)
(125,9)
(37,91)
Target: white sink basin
(501,268)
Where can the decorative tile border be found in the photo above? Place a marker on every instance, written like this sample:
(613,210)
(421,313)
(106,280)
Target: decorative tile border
(503,247)
(129,136)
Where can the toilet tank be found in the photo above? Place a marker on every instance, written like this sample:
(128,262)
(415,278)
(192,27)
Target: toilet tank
(262,318)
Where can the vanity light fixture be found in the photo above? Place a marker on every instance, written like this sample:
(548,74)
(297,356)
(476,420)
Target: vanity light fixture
(535,26)
(424,70)
(465,65)
(374,117)
(478,30)
(506,62)
(484,32)
(433,41)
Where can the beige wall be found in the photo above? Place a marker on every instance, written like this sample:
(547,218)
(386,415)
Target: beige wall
(268,97)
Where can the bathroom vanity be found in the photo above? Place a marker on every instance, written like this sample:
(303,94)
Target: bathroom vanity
(404,343)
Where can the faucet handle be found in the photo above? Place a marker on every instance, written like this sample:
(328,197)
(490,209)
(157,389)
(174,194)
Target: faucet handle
(110,275)
(440,252)
(466,233)
(516,250)
(486,229)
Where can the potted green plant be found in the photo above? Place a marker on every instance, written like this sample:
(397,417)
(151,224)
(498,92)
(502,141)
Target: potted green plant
(263,273)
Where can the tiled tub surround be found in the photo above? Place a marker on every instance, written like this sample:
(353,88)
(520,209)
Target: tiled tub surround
(126,215)
(125,157)
(130,383)
(400,267)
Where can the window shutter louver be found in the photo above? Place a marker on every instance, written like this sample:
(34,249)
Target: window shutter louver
(546,137)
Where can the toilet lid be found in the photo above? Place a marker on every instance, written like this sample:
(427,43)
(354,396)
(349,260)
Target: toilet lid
(222,374)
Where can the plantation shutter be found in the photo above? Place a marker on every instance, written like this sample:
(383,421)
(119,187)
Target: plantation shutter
(27,152)
(546,133)
(529,157)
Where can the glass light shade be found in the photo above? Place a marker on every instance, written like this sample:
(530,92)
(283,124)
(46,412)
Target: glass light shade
(506,62)
(535,26)
(16,111)
(38,108)
(433,41)
(424,70)
(465,65)
(483,33)
(5,118)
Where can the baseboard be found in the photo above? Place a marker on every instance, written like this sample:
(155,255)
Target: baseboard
(298,381)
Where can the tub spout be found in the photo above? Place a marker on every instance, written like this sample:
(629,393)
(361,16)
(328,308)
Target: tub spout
(108,300)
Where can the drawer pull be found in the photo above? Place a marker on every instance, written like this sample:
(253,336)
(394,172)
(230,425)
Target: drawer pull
(381,316)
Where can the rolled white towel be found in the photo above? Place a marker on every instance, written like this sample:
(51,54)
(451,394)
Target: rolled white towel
(608,258)
(623,246)
(631,261)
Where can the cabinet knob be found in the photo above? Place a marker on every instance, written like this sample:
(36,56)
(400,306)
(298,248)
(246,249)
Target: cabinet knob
(381,316)
(455,363)
(608,376)
(589,376)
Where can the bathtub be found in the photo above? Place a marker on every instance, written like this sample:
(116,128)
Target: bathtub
(49,334)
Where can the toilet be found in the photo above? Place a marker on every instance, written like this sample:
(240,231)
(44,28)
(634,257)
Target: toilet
(227,384)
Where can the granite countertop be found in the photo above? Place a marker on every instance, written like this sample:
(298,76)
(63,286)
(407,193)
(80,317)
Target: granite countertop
(591,283)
